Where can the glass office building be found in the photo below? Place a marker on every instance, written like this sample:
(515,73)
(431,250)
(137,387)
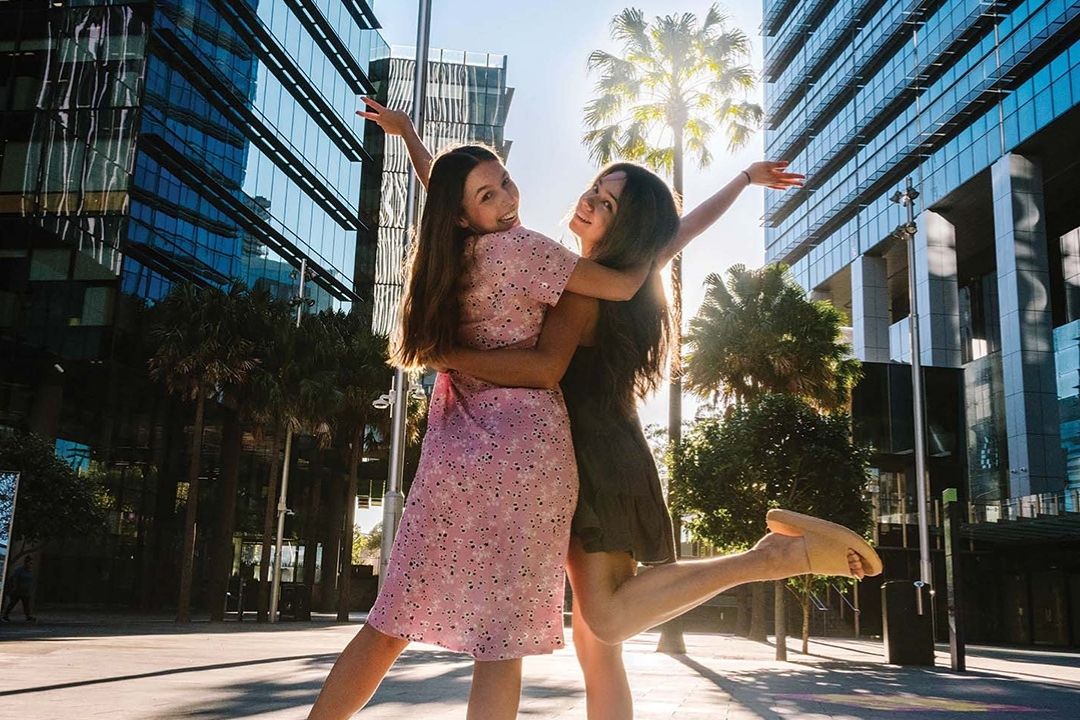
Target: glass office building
(148,143)
(467,102)
(979,104)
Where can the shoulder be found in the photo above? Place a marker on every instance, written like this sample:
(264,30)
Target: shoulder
(522,239)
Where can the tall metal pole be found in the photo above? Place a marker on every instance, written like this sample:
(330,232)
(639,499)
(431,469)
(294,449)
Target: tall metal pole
(393,500)
(275,585)
(907,197)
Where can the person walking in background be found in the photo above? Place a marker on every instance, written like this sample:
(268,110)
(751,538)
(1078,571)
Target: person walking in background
(21,587)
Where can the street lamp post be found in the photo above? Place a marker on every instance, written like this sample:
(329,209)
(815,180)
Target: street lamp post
(300,302)
(393,500)
(907,197)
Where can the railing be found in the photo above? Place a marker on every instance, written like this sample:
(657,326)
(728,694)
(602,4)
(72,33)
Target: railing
(1028,506)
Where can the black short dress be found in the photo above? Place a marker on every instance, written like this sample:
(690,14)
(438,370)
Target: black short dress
(620,505)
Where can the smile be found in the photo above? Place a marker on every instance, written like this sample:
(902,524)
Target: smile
(579,217)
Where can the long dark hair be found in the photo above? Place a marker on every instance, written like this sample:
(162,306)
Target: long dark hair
(632,337)
(430,308)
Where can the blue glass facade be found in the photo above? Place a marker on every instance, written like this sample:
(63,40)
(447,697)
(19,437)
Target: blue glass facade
(862,95)
(191,139)
(978,103)
(144,144)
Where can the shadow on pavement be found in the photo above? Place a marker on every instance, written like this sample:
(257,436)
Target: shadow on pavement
(878,692)
(171,671)
(250,699)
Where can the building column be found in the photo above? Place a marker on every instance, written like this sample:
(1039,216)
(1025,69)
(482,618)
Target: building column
(870,308)
(936,290)
(1027,346)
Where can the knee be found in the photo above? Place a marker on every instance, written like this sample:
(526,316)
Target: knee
(379,641)
(603,628)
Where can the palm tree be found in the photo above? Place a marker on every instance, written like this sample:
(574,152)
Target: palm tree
(758,335)
(197,350)
(678,80)
(293,383)
(362,375)
(247,405)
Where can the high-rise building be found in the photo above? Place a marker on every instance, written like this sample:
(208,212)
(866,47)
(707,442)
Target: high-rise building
(977,103)
(467,102)
(148,143)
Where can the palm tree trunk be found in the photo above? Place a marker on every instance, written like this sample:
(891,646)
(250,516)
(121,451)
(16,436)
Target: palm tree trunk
(780,619)
(187,550)
(671,634)
(232,444)
(332,550)
(269,515)
(312,524)
(345,584)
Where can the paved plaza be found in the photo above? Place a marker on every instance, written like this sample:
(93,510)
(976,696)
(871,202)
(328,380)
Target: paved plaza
(112,667)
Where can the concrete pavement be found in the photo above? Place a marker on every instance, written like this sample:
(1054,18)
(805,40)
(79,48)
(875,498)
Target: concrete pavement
(98,667)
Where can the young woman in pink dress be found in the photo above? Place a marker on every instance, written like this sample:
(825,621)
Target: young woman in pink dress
(477,601)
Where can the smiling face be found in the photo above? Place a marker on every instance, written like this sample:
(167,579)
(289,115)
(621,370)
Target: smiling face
(490,201)
(596,210)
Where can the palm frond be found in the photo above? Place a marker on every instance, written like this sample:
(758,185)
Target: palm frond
(630,28)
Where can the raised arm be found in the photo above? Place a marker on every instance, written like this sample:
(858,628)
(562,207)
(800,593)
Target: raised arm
(541,366)
(772,175)
(397,122)
(598,281)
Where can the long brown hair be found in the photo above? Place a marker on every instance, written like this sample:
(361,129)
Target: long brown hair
(430,308)
(632,337)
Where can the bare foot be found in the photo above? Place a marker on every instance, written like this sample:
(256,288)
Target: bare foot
(784,556)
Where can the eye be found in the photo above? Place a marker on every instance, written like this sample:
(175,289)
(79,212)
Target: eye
(485,197)
(506,181)
(609,206)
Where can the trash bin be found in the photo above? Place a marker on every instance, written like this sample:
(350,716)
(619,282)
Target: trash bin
(295,601)
(909,638)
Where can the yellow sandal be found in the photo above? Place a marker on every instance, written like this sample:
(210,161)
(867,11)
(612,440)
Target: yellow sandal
(826,543)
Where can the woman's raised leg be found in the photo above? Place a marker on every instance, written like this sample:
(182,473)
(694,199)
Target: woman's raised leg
(607,691)
(615,612)
(496,690)
(356,674)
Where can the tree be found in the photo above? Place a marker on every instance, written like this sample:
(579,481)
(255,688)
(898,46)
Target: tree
(198,349)
(54,502)
(248,399)
(758,333)
(773,451)
(677,81)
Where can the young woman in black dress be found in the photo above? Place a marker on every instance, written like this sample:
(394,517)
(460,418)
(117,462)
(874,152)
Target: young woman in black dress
(607,355)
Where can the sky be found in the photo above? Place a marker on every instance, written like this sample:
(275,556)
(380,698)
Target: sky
(547,44)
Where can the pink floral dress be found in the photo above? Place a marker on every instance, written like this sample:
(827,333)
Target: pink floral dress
(477,566)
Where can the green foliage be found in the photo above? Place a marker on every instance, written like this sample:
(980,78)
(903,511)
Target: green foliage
(775,451)
(54,501)
(758,333)
(676,82)
(366,546)
(198,338)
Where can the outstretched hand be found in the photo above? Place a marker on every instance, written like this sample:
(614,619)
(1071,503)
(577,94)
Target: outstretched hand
(774,175)
(393,122)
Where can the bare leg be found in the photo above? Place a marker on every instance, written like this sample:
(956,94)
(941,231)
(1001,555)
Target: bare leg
(616,610)
(607,691)
(496,690)
(356,674)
